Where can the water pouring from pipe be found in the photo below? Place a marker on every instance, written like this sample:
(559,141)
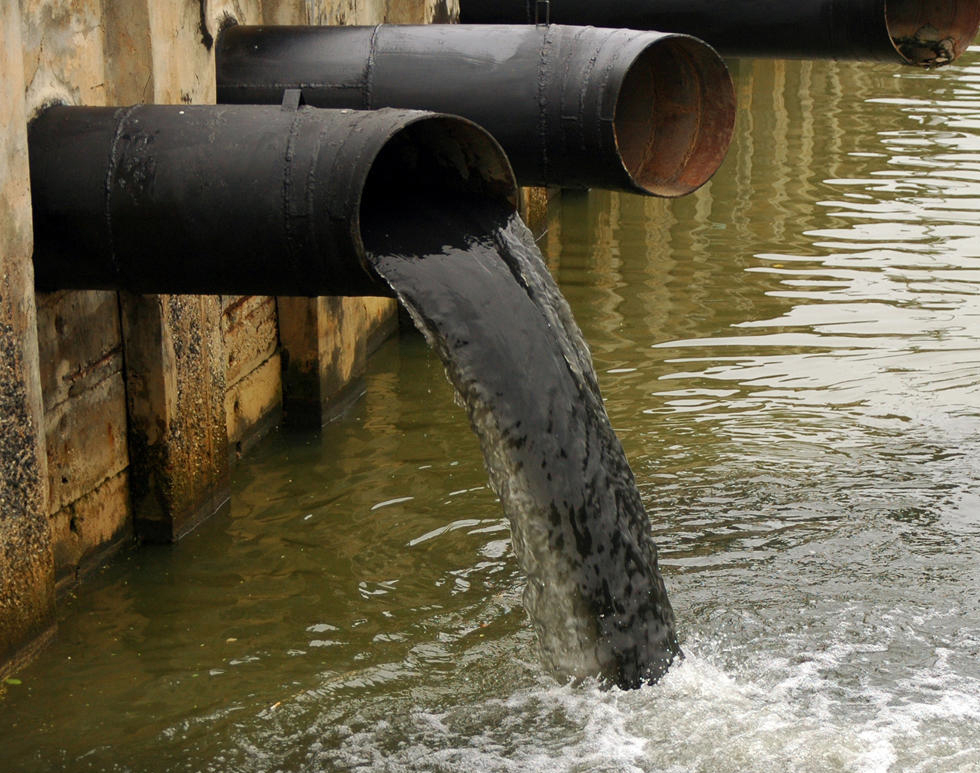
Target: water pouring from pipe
(234,199)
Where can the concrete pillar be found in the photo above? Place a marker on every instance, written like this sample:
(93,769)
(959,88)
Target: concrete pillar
(325,343)
(175,392)
(26,564)
(286,11)
(128,47)
(253,400)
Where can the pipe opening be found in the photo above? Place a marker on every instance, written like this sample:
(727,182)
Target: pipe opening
(436,153)
(675,115)
(933,33)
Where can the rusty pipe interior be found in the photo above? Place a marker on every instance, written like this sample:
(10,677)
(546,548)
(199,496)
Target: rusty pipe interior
(931,34)
(675,114)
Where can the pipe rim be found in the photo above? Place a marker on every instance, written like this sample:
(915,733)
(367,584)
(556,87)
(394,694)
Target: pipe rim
(675,116)
(468,156)
(931,33)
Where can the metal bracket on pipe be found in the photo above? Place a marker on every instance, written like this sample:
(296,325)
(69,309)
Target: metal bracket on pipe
(292,99)
(539,6)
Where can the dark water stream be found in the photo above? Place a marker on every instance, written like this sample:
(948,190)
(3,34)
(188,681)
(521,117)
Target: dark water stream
(791,359)
(476,285)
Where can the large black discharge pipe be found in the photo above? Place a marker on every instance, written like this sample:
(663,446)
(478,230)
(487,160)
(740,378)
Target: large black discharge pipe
(235,200)
(927,33)
(577,107)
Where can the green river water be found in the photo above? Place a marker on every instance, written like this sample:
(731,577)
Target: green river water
(791,357)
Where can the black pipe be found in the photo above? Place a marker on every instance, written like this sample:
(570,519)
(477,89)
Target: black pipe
(232,199)
(927,33)
(575,107)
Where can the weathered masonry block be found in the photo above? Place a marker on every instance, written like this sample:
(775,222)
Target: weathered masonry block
(175,384)
(325,344)
(85,426)
(122,414)
(253,383)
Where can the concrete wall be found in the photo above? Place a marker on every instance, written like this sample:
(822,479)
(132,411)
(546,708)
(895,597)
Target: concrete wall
(26,566)
(122,413)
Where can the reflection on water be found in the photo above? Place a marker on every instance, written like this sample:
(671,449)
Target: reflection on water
(791,359)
